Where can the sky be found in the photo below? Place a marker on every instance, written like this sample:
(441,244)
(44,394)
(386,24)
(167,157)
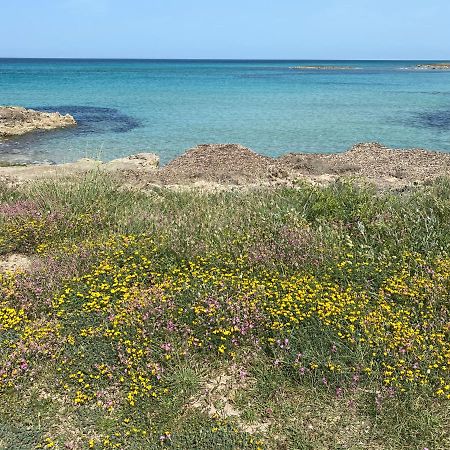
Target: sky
(226,29)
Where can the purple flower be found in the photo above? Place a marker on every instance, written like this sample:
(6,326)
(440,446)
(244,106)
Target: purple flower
(166,347)
(242,374)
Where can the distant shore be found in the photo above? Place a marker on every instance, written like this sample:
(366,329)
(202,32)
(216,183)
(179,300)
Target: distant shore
(437,66)
(324,68)
(428,66)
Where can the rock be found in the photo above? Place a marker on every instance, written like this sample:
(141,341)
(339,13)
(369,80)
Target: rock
(323,68)
(218,163)
(437,66)
(140,161)
(39,171)
(15,121)
(371,161)
(216,167)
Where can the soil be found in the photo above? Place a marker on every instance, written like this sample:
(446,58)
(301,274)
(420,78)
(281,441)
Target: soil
(14,262)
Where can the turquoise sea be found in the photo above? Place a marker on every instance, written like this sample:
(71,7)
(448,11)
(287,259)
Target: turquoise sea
(168,106)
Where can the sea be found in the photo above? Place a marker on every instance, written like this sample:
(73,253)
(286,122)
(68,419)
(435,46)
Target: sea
(168,106)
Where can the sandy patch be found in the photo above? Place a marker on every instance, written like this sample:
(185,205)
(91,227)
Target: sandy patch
(14,263)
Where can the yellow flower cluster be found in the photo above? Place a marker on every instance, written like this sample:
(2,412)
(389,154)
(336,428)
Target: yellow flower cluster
(24,233)
(219,303)
(10,318)
(119,327)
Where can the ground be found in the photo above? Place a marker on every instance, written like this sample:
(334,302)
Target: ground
(294,316)
(225,166)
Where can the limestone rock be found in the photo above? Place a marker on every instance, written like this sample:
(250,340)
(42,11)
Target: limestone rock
(140,161)
(15,121)
(437,66)
(217,163)
(323,68)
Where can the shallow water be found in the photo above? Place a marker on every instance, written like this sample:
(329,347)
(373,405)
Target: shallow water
(132,106)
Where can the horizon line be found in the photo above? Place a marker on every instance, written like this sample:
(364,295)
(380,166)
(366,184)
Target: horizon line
(212,59)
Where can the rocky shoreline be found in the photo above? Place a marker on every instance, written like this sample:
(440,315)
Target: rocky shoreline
(233,166)
(323,68)
(16,121)
(433,66)
(437,66)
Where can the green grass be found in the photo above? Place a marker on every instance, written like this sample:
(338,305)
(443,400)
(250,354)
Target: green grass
(183,251)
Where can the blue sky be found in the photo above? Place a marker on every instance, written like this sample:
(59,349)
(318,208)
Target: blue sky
(278,29)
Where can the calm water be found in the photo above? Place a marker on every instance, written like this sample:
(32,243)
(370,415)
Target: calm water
(126,107)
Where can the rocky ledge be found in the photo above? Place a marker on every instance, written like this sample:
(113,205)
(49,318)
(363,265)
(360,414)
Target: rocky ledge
(15,121)
(232,165)
(323,68)
(437,66)
(139,163)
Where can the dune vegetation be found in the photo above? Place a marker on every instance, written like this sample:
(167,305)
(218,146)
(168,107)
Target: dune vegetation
(279,318)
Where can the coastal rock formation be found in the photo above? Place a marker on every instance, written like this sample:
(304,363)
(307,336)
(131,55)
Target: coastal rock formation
(139,163)
(219,163)
(15,121)
(227,166)
(232,164)
(323,68)
(437,66)
(381,165)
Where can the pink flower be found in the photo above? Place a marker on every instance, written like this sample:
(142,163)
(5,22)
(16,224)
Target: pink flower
(242,374)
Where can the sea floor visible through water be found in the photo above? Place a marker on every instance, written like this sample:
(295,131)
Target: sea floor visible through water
(131,106)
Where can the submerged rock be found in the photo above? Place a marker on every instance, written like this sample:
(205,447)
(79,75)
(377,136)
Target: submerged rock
(15,121)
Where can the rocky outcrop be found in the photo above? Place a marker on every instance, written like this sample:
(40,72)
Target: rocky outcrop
(383,166)
(219,163)
(437,66)
(227,166)
(15,121)
(232,164)
(139,163)
(323,68)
